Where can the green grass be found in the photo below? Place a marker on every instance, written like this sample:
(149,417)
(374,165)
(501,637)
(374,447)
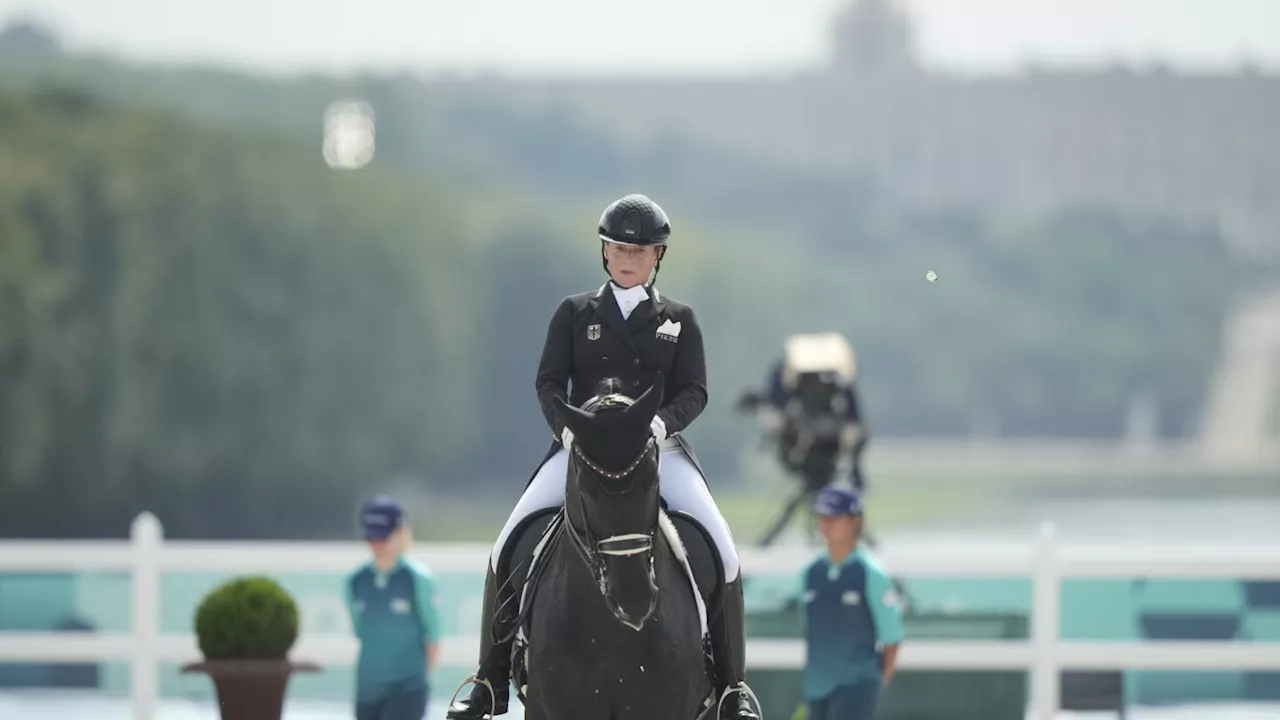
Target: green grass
(898,500)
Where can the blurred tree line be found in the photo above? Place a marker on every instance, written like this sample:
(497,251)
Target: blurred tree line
(201,324)
(197,317)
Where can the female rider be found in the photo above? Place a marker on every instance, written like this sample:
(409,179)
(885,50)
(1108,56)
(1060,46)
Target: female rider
(625,330)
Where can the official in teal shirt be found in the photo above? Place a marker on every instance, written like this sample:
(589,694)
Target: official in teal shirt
(392,601)
(851,615)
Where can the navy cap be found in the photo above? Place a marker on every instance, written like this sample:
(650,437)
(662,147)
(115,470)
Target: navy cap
(380,517)
(835,500)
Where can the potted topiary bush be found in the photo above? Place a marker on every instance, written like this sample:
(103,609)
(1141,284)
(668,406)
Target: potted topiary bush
(245,628)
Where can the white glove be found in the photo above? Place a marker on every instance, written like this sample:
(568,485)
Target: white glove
(566,438)
(659,428)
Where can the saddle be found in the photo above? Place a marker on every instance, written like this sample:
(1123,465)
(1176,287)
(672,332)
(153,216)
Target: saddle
(524,557)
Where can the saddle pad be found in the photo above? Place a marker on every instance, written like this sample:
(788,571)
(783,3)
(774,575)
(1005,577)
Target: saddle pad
(673,539)
(526,591)
(677,546)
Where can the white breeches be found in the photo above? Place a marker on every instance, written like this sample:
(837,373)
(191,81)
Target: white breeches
(679,483)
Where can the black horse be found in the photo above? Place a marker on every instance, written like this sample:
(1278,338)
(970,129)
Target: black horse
(614,628)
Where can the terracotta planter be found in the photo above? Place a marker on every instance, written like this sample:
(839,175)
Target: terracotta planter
(250,689)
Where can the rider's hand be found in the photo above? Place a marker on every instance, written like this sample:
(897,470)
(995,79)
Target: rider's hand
(566,438)
(659,428)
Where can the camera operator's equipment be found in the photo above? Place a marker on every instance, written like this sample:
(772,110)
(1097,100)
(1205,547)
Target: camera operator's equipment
(814,437)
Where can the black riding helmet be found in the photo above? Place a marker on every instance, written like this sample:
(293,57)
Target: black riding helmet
(635,220)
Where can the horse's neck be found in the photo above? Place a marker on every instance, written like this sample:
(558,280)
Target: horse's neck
(577,523)
(577,572)
(573,511)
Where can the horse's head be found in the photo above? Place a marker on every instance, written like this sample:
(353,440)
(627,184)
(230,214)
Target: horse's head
(612,494)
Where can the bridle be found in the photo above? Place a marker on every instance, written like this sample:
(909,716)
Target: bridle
(640,542)
(585,541)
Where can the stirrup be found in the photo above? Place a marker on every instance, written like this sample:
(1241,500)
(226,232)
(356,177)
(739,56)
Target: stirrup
(740,687)
(493,696)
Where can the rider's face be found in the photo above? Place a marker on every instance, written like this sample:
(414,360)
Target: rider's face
(630,265)
(838,528)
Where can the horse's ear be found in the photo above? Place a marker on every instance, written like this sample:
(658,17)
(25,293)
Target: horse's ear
(573,418)
(647,405)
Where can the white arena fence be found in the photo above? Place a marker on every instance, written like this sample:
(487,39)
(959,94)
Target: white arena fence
(1045,559)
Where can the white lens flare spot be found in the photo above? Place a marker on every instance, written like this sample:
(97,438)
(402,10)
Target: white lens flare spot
(348,135)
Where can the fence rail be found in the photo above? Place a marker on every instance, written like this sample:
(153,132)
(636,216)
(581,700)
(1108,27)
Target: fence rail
(1045,559)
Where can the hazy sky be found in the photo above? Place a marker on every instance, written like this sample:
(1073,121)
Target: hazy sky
(652,36)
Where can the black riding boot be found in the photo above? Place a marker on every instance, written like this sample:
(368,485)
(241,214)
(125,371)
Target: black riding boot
(729,647)
(495,659)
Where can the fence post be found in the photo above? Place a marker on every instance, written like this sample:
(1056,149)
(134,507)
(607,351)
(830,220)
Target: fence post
(147,537)
(1046,623)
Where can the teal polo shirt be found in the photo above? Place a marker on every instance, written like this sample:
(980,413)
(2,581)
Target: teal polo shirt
(849,611)
(395,617)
